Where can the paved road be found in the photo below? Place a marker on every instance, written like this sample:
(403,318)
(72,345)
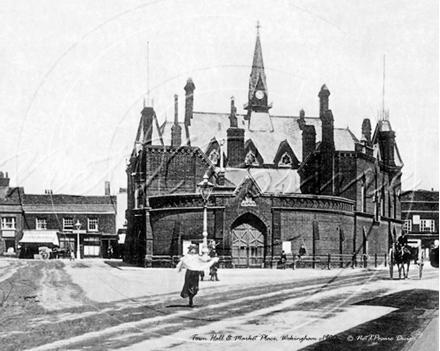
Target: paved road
(93,305)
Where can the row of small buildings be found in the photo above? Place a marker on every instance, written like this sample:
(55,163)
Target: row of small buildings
(30,221)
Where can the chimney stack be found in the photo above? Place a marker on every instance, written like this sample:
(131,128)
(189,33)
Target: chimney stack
(176,129)
(107,188)
(235,140)
(4,181)
(309,140)
(323,100)
(147,124)
(366,130)
(326,116)
(189,101)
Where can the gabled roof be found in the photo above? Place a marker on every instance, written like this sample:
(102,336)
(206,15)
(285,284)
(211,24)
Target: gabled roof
(250,146)
(345,140)
(248,185)
(284,148)
(11,195)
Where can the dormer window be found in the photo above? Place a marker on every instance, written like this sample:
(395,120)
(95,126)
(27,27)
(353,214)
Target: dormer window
(214,156)
(250,159)
(285,161)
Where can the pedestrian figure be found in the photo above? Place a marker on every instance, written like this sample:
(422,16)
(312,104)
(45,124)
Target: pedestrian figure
(202,275)
(213,271)
(110,251)
(72,255)
(194,265)
(283,260)
(302,251)
(353,260)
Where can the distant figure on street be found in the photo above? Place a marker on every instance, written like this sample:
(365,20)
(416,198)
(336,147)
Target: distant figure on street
(302,251)
(72,255)
(110,251)
(353,260)
(283,260)
(194,265)
(213,271)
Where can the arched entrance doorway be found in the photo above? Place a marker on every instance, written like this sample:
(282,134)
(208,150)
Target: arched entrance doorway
(248,234)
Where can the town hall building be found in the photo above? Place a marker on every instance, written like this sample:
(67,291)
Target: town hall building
(280,182)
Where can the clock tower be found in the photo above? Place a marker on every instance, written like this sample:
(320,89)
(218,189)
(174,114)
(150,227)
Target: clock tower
(258,95)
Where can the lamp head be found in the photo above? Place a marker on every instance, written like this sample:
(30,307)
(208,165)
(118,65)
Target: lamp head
(78,225)
(205,187)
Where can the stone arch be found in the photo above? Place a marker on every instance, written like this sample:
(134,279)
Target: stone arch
(252,211)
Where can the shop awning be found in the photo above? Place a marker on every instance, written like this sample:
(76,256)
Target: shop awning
(40,237)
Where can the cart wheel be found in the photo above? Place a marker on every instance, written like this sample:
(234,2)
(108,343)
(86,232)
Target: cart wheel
(391,262)
(421,263)
(45,256)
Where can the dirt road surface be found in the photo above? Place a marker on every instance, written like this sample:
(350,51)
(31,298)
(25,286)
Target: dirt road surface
(104,305)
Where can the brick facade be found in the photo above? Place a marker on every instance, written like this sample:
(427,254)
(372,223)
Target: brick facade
(418,206)
(331,192)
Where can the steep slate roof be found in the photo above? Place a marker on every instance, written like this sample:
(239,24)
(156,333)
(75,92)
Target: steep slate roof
(384,125)
(69,203)
(11,196)
(205,126)
(344,139)
(270,181)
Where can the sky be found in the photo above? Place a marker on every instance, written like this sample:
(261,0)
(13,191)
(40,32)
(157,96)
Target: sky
(76,73)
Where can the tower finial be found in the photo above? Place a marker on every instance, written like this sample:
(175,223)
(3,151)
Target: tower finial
(384,115)
(148,75)
(258,28)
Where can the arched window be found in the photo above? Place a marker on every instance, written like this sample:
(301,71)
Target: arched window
(285,160)
(250,159)
(214,156)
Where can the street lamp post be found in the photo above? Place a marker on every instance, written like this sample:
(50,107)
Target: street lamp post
(78,251)
(205,187)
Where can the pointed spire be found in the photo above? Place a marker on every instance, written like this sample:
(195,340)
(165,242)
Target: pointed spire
(257,72)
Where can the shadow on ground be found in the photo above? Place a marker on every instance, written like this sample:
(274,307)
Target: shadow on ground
(119,263)
(395,331)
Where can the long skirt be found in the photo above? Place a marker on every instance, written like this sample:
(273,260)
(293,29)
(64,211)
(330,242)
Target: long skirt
(191,286)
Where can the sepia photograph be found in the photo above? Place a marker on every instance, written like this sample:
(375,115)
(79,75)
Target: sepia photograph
(222,175)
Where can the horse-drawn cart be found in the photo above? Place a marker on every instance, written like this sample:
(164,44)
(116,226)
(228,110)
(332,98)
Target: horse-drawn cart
(401,255)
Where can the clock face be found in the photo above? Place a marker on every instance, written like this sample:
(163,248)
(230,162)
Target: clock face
(259,94)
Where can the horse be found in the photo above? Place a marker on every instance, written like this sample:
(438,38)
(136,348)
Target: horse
(403,255)
(433,256)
